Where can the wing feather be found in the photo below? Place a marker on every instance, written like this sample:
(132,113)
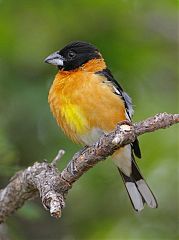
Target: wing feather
(117,89)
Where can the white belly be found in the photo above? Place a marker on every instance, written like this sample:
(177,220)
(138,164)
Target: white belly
(92,136)
(123,159)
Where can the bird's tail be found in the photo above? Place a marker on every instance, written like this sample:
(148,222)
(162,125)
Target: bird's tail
(137,189)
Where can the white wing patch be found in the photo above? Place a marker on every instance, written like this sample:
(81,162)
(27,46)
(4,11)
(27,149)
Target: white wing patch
(128,102)
(116,91)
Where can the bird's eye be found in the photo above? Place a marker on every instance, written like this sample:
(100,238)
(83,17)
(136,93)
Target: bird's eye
(71,54)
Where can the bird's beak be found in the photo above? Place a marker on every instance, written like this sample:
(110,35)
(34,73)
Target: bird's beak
(55,59)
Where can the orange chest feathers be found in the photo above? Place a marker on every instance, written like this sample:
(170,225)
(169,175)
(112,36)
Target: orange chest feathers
(81,101)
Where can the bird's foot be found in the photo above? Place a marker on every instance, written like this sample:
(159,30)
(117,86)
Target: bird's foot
(72,168)
(125,122)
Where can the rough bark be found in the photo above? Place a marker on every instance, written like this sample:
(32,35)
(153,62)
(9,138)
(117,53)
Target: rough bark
(45,180)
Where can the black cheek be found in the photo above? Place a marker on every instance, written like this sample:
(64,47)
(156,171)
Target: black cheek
(73,64)
(59,67)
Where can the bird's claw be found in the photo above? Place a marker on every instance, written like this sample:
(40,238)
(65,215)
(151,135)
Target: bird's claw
(125,122)
(72,168)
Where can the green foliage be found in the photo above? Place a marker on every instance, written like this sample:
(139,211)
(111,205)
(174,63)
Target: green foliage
(138,40)
(30,211)
(8,155)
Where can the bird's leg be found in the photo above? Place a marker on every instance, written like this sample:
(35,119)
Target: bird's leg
(125,122)
(125,125)
(71,165)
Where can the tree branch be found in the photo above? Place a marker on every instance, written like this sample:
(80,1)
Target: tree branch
(44,179)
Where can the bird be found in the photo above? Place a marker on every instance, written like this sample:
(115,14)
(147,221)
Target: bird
(87,102)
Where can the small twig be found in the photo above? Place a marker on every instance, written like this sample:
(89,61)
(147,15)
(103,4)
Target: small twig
(58,157)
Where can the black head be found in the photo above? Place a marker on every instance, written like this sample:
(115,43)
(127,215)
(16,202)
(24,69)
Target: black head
(73,55)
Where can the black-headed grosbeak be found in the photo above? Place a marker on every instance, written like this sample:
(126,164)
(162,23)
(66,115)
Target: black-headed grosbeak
(87,102)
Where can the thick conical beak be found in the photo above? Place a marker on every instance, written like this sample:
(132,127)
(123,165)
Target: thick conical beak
(55,59)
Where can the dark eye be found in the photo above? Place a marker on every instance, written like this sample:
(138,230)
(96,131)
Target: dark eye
(71,54)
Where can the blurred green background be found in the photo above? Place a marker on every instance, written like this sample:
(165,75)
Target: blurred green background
(139,42)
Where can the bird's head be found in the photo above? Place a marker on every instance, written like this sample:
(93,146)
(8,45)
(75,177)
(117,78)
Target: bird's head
(73,55)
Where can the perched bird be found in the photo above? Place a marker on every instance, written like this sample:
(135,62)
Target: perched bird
(87,102)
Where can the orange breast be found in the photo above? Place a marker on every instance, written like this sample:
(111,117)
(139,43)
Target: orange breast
(80,101)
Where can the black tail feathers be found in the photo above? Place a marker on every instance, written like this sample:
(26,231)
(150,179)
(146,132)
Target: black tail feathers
(138,190)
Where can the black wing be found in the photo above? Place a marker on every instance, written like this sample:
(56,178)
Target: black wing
(127,101)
